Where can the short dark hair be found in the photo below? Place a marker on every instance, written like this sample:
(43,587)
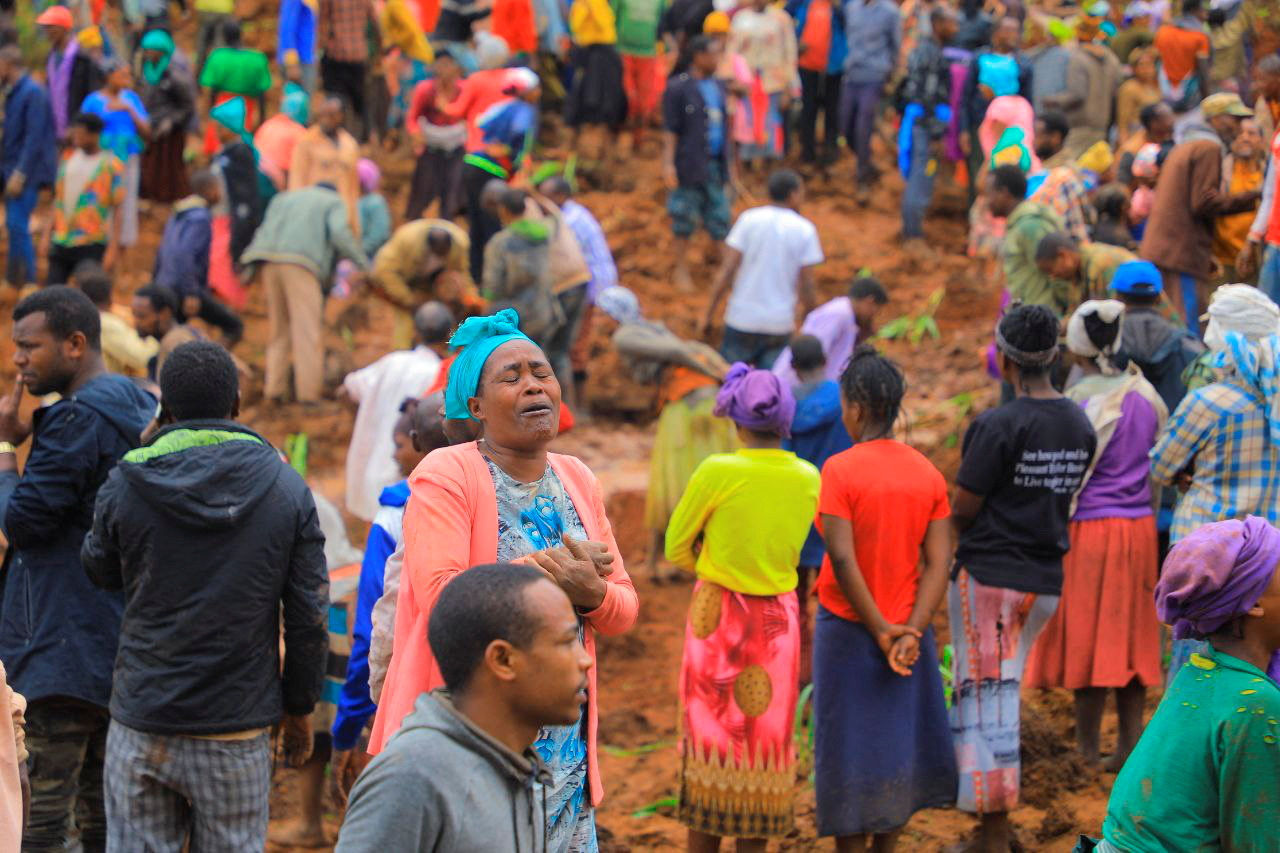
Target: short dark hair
(513,200)
(201,179)
(875,383)
(1190,6)
(66,311)
(199,381)
(701,44)
(231,32)
(439,240)
(478,606)
(783,184)
(939,14)
(91,122)
(93,281)
(1110,200)
(1054,122)
(160,297)
(868,286)
(557,185)
(1011,179)
(1030,328)
(1148,114)
(806,353)
(1053,244)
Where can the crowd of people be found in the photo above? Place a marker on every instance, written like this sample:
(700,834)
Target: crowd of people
(1120,192)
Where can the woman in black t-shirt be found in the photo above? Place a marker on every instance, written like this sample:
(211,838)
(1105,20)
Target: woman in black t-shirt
(1021,465)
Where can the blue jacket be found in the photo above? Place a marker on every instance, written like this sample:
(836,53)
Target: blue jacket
(182,261)
(26,145)
(355,706)
(296,32)
(799,10)
(58,632)
(817,434)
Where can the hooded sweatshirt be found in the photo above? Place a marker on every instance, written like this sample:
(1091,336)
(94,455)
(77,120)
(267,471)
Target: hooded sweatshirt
(182,261)
(1161,350)
(57,631)
(517,274)
(443,784)
(213,538)
(817,434)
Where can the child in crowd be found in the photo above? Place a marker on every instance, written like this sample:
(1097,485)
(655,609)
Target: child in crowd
(1112,206)
(87,198)
(1104,635)
(875,664)
(817,434)
(126,129)
(1021,464)
(1206,772)
(375,215)
(417,432)
(751,511)
(182,260)
(1145,170)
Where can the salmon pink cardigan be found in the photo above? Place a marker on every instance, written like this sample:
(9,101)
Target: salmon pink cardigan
(450,525)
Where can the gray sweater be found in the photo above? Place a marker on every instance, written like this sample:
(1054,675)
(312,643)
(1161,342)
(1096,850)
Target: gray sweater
(443,784)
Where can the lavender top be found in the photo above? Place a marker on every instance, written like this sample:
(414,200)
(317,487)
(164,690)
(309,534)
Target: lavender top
(1121,483)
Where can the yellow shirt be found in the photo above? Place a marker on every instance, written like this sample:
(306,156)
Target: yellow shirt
(753,509)
(123,350)
(593,22)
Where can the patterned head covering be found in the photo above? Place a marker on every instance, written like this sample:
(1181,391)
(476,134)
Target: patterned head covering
(620,304)
(1216,574)
(756,400)
(475,341)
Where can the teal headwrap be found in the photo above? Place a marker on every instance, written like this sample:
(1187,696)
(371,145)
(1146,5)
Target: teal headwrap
(157,40)
(296,103)
(231,114)
(475,340)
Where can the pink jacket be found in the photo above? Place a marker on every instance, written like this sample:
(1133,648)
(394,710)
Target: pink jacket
(451,524)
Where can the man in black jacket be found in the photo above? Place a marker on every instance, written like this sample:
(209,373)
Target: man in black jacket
(211,535)
(57,631)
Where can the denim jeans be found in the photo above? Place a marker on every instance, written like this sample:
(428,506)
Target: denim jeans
(21,267)
(919,190)
(753,348)
(858,107)
(1269,275)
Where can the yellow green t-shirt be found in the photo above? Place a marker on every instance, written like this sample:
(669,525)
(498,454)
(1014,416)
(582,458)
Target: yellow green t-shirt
(753,510)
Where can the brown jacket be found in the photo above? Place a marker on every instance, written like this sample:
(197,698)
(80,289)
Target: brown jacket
(1189,198)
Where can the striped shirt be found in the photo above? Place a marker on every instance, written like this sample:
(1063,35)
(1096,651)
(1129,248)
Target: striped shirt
(1221,432)
(595,249)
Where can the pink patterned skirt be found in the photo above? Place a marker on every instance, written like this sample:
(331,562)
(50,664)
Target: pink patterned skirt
(738,688)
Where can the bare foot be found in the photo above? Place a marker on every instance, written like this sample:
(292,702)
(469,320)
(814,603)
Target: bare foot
(295,834)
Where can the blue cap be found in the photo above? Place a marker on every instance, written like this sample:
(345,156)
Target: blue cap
(1140,277)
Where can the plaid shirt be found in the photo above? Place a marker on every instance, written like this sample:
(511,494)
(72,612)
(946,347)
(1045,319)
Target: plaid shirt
(595,250)
(342,29)
(1067,196)
(1221,432)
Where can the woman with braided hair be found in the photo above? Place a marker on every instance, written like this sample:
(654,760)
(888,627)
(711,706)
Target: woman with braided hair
(1105,634)
(1021,464)
(882,512)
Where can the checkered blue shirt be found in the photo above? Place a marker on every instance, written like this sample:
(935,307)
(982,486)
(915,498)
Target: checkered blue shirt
(595,249)
(1222,431)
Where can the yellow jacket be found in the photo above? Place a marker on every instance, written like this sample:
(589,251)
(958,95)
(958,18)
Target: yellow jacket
(593,22)
(401,28)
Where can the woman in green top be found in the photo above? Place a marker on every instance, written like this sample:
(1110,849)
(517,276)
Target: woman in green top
(1206,773)
(234,70)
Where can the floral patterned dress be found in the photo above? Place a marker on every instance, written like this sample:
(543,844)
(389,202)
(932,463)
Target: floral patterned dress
(532,517)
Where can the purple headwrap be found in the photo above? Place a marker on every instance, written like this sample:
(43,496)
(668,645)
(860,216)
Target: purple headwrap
(1216,574)
(756,400)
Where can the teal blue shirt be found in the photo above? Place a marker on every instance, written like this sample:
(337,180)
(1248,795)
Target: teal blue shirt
(1206,774)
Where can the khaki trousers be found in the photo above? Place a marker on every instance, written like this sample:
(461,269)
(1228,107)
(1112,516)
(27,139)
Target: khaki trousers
(295,314)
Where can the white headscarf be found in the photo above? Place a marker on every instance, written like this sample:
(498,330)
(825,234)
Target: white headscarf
(1079,342)
(1240,308)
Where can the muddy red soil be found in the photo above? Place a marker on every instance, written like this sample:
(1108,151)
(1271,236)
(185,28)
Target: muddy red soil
(638,671)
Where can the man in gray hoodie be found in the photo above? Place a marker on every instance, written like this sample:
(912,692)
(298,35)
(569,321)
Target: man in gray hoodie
(461,773)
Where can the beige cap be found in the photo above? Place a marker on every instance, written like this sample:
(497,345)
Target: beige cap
(1225,104)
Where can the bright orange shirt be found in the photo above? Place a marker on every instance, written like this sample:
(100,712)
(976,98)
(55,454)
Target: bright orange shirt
(815,41)
(890,492)
(1179,49)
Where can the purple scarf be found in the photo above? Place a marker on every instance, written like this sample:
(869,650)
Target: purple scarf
(756,400)
(1215,575)
(59,81)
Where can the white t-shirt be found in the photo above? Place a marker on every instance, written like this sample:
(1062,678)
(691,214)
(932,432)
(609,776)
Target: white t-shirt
(775,242)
